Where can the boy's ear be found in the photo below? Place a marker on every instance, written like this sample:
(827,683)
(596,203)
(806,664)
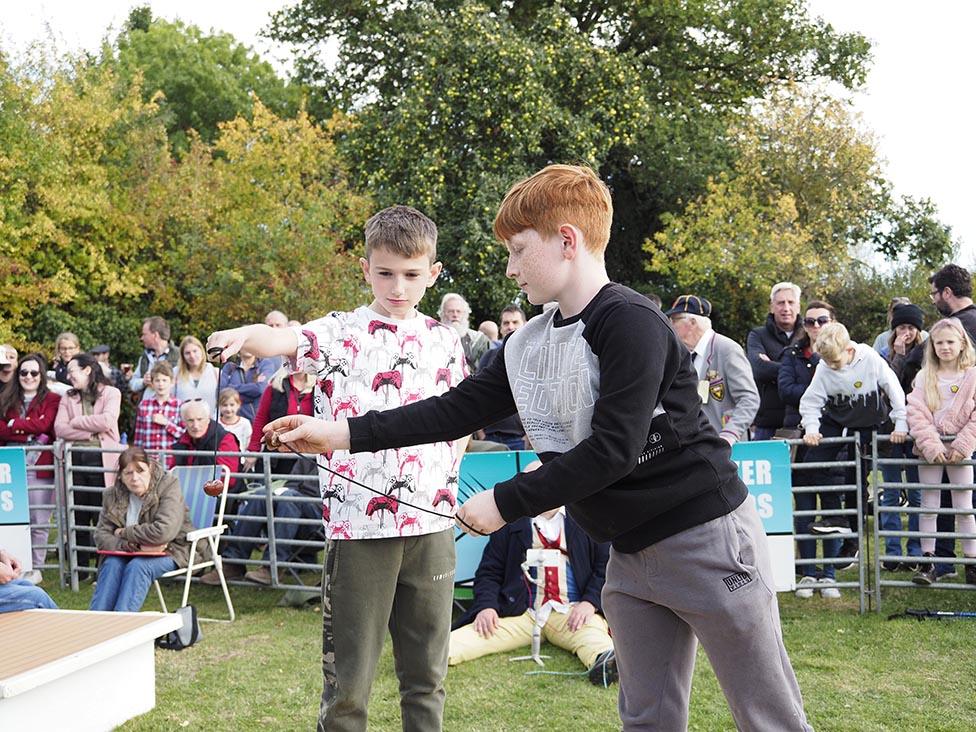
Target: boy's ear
(364,264)
(435,271)
(572,240)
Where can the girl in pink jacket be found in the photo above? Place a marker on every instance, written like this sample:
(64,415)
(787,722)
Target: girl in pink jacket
(943,404)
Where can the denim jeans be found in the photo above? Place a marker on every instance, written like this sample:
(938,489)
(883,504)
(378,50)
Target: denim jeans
(807,548)
(21,594)
(892,497)
(123,582)
(763,433)
(254,525)
(512,442)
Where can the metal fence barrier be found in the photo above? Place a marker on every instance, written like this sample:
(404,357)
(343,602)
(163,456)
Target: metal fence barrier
(900,466)
(301,567)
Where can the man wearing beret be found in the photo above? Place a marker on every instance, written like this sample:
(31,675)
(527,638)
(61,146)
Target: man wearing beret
(728,392)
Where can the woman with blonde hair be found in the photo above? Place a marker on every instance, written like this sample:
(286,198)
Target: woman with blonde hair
(66,346)
(195,378)
(943,405)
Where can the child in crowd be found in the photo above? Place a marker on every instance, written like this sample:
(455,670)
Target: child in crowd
(609,400)
(943,403)
(158,423)
(229,406)
(851,391)
(389,563)
(503,614)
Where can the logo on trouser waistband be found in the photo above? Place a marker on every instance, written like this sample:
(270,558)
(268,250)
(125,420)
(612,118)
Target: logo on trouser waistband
(737,580)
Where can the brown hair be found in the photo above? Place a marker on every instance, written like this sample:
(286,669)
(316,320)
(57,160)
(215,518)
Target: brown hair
(557,195)
(158,325)
(132,455)
(162,367)
(229,393)
(402,230)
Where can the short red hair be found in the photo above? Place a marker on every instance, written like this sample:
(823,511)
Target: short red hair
(557,195)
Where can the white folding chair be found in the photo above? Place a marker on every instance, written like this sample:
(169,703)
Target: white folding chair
(203,508)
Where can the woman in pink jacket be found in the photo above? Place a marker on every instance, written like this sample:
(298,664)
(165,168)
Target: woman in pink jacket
(943,404)
(88,416)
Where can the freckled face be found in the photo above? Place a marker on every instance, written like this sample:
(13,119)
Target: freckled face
(536,265)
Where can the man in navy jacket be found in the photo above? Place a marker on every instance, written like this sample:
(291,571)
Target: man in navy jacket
(500,619)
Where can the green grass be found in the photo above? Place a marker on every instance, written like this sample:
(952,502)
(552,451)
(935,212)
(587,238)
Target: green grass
(856,672)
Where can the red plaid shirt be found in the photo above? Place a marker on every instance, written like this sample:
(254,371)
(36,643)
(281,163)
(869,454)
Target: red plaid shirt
(154,436)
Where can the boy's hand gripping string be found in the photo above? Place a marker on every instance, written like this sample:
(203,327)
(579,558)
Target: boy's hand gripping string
(273,443)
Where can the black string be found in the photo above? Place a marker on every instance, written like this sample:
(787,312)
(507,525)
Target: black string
(380,493)
(216,352)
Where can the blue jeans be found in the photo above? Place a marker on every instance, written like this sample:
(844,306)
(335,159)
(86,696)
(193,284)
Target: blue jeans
(763,433)
(252,528)
(123,582)
(21,594)
(807,548)
(511,441)
(892,497)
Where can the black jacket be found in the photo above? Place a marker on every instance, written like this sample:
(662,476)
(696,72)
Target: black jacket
(499,583)
(610,403)
(771,341)
(795,375)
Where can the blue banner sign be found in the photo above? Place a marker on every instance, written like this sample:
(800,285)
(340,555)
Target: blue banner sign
(13,486)
(765,469)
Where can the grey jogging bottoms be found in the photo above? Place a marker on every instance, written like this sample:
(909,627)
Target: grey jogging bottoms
(712,582)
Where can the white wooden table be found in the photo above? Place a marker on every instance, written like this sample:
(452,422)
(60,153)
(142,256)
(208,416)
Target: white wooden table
(77,670)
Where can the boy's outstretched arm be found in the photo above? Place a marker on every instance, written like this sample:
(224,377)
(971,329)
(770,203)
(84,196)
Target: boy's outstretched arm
(477,401)
(260,339)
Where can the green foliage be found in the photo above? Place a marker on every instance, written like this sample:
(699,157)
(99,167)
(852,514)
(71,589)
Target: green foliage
(100,226)
(454,102)
(804,197)
(271,219)
(861,296)
(203,78)
(911,229)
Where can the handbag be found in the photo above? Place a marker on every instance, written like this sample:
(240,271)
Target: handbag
(185,636)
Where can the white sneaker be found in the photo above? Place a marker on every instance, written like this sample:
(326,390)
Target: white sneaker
(828,593)
(804,588)
(34,577)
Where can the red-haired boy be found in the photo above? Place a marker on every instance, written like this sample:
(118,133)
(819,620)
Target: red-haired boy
(609,400)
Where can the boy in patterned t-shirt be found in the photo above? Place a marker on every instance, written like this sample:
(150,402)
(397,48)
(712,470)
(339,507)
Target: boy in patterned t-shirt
(387,563)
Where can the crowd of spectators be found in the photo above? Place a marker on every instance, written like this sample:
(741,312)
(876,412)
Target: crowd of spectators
(183,402)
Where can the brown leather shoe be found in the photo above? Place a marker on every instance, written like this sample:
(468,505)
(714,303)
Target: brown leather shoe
(261,576)
(231,572)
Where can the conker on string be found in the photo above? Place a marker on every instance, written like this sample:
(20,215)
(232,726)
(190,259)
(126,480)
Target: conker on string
(213,487)
(272,441)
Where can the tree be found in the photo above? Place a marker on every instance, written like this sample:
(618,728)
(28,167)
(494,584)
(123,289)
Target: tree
(494,90)
(204,78)
(71,143)
(270,222)
(100,226)
(806,196)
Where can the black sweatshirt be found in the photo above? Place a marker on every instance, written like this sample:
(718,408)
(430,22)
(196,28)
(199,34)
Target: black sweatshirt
(610,403)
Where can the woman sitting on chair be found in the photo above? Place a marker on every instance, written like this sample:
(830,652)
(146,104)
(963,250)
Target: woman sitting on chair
(144,512)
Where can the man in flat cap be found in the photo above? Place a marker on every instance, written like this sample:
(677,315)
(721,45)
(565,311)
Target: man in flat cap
(728,392)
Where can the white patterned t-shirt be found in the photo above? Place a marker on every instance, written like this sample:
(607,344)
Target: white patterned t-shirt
(363,361)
